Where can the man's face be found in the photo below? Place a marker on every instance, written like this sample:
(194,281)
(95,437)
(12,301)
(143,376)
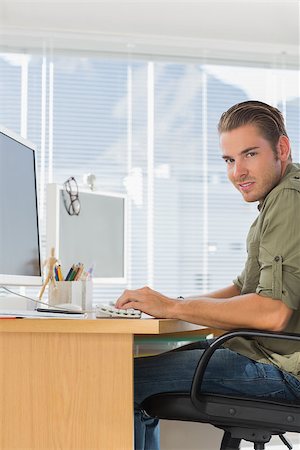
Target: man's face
(252,166)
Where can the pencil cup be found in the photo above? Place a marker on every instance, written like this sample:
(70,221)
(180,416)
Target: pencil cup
(66,292)
(87,295)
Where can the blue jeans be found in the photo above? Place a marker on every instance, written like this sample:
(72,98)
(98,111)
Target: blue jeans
(227,373)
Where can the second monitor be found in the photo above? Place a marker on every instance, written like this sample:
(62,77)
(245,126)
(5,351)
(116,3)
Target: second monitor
(95,237)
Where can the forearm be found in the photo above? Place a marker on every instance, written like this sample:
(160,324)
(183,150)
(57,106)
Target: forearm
(227,292)
(238,311)
(242,311)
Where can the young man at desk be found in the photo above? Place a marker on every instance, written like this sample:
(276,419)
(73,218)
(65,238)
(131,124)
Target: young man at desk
(266,295)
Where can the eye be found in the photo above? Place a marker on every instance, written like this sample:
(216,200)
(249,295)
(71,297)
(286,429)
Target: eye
(251,154)
(229,160)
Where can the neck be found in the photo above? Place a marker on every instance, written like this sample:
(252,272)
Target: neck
(284,165)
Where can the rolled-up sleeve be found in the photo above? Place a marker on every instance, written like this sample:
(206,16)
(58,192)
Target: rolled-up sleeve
(279,249)
(239,281)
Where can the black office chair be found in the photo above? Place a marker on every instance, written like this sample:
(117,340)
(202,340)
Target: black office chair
(251,419)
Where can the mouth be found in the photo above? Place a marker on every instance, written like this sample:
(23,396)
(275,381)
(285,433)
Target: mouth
(246,186)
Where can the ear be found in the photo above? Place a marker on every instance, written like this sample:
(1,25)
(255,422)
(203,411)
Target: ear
(284,148)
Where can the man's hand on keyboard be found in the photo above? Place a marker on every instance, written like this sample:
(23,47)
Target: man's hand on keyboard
(148,301)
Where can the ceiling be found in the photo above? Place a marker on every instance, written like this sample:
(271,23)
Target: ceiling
(271,22)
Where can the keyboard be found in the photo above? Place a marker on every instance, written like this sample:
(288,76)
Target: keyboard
(111,311)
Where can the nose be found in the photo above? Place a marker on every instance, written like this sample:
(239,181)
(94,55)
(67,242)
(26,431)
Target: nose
(239,170)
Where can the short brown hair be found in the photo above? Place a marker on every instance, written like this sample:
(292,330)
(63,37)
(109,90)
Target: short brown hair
(268,119)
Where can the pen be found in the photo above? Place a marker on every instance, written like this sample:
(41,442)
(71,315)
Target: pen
(84,276)
(69,273)
(90,272)
(79,272)
(60,277)
(6,318)
(73,274)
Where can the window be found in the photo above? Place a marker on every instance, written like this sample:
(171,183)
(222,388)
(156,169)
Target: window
(147,127)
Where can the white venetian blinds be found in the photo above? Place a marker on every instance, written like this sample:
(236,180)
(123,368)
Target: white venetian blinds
(148,128)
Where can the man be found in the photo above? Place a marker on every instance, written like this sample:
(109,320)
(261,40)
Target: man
(266,295)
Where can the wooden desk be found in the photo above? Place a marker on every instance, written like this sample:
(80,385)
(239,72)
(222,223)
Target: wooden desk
(68,384)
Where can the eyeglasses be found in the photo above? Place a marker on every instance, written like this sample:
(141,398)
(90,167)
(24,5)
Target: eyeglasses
(71,197)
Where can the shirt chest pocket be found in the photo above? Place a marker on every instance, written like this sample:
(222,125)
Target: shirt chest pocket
(252,269)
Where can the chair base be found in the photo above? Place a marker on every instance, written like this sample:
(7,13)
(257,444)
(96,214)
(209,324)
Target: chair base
(233,436)
(230,443)
(263,418)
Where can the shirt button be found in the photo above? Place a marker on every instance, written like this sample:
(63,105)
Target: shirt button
(277,258)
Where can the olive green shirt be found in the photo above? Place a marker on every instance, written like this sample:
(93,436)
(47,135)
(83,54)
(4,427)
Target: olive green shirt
(273,269)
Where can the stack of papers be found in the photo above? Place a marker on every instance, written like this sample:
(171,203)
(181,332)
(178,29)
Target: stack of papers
(24,314)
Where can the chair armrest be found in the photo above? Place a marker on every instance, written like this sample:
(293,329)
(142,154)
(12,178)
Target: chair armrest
(200,370)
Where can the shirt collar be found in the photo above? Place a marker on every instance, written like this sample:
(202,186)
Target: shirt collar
(289,168)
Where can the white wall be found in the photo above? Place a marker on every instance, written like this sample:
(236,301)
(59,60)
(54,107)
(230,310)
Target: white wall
(268,21)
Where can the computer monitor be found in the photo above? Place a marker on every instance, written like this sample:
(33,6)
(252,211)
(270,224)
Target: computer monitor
(19,228)
(95,238)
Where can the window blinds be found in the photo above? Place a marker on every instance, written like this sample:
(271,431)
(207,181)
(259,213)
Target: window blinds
(148,128)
